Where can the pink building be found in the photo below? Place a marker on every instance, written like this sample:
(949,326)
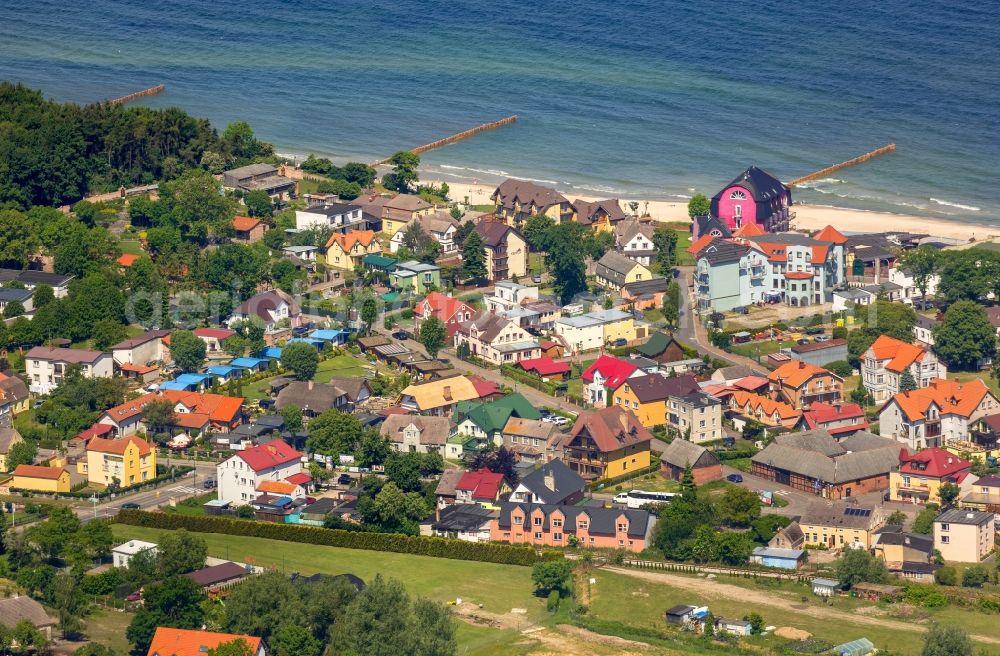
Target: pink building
(552,525)
(755,196)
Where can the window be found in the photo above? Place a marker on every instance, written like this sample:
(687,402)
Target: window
(538,536)
(737,195)
(557,537)
(537,521)
(581,524)
(517,520)
(557,523)
(622,528)
(945,539)
(945,527)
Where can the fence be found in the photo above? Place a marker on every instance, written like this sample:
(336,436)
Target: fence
(739,572)
(608,482)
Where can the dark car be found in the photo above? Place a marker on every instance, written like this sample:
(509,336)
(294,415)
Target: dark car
(620,342)
(131,505)
(209,484)
(815,330)
(734,478)
(401,334)
(344,479)
(803,341)
(729,441)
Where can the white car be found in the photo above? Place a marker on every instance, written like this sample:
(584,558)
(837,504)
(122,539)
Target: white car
(559,420)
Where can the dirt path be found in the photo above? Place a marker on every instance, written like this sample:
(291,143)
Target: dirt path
(757,597)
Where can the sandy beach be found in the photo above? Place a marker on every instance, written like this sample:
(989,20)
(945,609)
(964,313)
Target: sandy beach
(807,217)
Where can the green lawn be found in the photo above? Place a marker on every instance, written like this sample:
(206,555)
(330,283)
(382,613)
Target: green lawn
(683,241)
(536,263)
(340,366)
(132,247)
(761,348)
(966,376)
(107,627)
(193,505)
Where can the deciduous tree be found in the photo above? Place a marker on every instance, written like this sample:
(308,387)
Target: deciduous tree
(946,640)
(432,335)
(965,336)
(187,350)
(175,603)
(698,205)
(301,358)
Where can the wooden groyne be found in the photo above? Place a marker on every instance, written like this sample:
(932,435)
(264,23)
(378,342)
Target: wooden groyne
(151,91)
(455,137)
(822,173)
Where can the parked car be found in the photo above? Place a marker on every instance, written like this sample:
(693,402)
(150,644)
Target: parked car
(344,479)
(620,342)
(803,342)
(729,441)
(822,338)
(559,420)
(130,505)
(209,484)
(544,413)
(815,330)
(735,478)
(537,278)
(401,334)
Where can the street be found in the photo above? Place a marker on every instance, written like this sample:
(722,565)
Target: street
(185,486)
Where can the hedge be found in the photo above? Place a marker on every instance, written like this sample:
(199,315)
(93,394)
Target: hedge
(504,554)
(179,471)
(608,482)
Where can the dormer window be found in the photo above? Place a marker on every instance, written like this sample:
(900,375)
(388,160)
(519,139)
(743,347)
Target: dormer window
(737,195)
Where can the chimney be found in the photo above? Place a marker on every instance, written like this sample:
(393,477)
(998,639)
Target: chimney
(550,480)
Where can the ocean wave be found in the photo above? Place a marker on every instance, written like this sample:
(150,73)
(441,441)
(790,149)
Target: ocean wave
(946,203)
(472,170)
(539,180)
(600,189)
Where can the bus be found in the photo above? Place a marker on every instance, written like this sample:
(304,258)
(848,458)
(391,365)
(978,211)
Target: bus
(638,498)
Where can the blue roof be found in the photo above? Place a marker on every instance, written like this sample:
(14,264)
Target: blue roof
(327,335)
(250,363)
(272,352)
(175,385)
(318,343)
(282,502)
(222,370)
(195,379)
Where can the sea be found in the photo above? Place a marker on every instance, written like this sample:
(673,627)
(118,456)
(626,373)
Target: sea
(641,99)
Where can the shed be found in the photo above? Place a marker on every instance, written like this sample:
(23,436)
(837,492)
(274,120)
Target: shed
(875,591)
(215,506)
(859,647)
(779,558)
(255,364)
(271,353)
(334,336)
(825,587)
(679,614)
(734,627)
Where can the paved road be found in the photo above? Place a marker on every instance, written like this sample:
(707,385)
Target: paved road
(184,487)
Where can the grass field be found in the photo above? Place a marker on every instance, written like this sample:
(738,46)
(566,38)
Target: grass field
(761,348)
(132,247)
(683,241)
(107,627)
(340,366)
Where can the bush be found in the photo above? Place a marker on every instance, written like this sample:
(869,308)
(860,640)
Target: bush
(504,554)
(925,595)
(552,603)
(946,576)
(975,577)
(842,368)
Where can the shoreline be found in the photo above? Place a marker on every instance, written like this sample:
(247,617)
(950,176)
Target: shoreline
(807,217)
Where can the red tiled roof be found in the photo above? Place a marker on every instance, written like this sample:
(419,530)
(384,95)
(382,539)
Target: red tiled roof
(615,371)
(127,259)
(749,230)
(118,446)
(186,642)
(699,244)
(440,305)
(796,373)
(245,223)
(217,333)
(830,234)
(750,383)
(949,396)
(266,456)
(483,484)
(36,471)
(139,369)
(300,478)
(798,275)
(933,462)
(483,387)
(97,430)
(544,366)
(216,407)
(820,413)
(900,354)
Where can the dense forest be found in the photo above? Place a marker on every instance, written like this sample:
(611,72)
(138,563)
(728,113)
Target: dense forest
(53,153)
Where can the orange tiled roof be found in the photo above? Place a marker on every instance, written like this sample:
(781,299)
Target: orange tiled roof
(215,406)
(900,354)
(366,237)
(117,446)
(763,404)
(186,642)
(830,234)
(798,275)
(245,223)
(36,471)
(700,244)
(278,487)
(749,230)
(949,396)
(795,373)
(819,254)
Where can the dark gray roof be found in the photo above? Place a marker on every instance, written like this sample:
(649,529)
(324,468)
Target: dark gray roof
(14,388)
(816,454)
(913,540)
(681,453)
(614,267)
(651,286)
(719,252)
(655,387)
(332,209)
(567,482)
(318,397)
(217,574)
(31,277)
(17,609)
(8,294)
(449,479)
(959,516)
(602,520)
(763,188)
(462,517)
(351,386)
(839,514)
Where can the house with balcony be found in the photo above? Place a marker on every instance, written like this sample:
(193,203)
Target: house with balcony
(937,415)
(801,270)
(841,525)
(920,475)
(260,177)
(839,419)
(743,406)
(552,525)
(508,294)
(506,250)
(800,384)
(607,443)
(595,330)
(634,240)
(614,270)
(603,378)
(496,339)
(517,200)
(415,277)
(755,196)
(347,251)
(123,462)
(729,275)
(338,217)
(599,215)
(46,366)
(883,364)
(677,402)
(439,226)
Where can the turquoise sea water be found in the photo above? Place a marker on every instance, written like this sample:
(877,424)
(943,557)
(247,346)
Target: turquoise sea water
(649,98)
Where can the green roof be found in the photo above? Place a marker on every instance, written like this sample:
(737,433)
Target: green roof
(519,406)
(655,345)
(492,417)
(378,260)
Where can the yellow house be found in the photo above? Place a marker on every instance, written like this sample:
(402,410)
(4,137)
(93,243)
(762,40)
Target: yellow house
(839,525)
(124,461)
(14,396)
(597,329)
(345,251)
(400,210)
(40,479)
(8,438)
(676,402)
(607,443)
(614,271)
(599,216)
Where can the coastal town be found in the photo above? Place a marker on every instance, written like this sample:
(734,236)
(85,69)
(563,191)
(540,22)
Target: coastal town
(259,406)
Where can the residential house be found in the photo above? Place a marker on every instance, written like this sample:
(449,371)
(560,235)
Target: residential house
(312,398)
(920,475)
(506,250)
(248,229)
(800,384)
(746,406)
(603,378)
(729,375)
(908,555)
(274,308)
(14,398)
(553,525)
(416,434)
(533,440)
(19,608)
(348,250)
(908,284)
(483,487)
(462,521)
(840,525)
(8,438)
(338,217)
(546,368)
(31,279)
(681,454)
(614,271)
(813,461)
(645,294)
(597,329)
(984,495)
(508,294)
(677,402)
(634,240)
(965,536)
(788,537)
(415,277)
(883,364)
(15,295)
(553,483)
(438,397)
(400,210)
(755,196)
(599,215)
(122,555)
(122,462)
(941,413)
(40,479)
(356,390)
(729,275)
(45,366)
(486,421)
(193,411)
(607,443)
(142,349)
(239,477)
(496,339)
(820,353)
(189,642)
(260,177)
(445,491)
(451,311)
(303,257)
(840,420)
(214,338)
(923,330)
(801,270)
(439,226)
(517,200)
